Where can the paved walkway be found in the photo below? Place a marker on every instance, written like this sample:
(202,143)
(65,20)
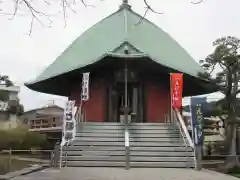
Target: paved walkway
(36,160)
(121,174)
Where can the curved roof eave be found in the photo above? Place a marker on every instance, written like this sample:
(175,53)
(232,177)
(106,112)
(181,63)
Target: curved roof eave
(44,79)
(118,55)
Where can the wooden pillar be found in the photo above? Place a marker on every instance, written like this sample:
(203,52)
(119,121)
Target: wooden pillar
(114,107)
(135,105)
(141,104)
(109,118)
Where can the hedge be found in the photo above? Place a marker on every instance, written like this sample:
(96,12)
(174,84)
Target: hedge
(21,139)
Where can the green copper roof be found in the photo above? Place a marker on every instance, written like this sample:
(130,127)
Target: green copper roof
(111,34)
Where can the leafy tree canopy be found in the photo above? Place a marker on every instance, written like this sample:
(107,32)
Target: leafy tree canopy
(223,67)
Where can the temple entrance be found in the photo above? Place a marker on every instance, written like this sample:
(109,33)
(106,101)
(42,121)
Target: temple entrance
(117,98)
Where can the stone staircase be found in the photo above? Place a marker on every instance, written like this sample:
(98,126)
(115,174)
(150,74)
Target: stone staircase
(151,145)
(159,145)
(97,145)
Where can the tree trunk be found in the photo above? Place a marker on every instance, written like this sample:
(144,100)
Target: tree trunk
(238,139)
(232,159)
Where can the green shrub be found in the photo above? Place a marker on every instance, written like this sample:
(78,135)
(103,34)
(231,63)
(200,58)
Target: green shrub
(33,140)
(20,138)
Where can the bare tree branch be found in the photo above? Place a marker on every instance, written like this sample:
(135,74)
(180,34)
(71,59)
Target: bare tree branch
(16,8)
(84,3)
(37,15)
(87,5)
(143,17)
(197,2)
(148,8)
(40,15)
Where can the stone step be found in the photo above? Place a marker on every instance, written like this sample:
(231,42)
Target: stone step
(132,164)
(153,124)
(132,158)
(97,148)
(161,159)
(156,144)
(134,148)
(97,143)
(162,164)
(121,139)
(95,164)
(162,154)
(99,134)
(95,158)
(133,153)
(130,124)
(92,152)
(99,139)
(162,149)
(135,135)
(156,139)
(100,131)
(133,127)
(132,131)
(133,144)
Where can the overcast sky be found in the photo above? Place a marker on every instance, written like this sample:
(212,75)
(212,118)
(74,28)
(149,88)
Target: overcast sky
(23,57)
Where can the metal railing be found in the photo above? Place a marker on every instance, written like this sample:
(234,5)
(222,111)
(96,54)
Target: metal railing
(65,156)
(179,121)
(127,142)
(183,137)
(127,147)
(183,127)
(17,159)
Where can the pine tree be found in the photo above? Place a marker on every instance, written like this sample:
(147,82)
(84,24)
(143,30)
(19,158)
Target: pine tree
(226,60)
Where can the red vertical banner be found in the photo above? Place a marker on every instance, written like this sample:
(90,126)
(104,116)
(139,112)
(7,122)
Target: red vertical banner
(176,89)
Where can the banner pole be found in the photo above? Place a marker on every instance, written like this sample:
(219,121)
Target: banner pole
(171,110)
(63,136)
(193,139)
(80,106)
(61,152)
(80,111)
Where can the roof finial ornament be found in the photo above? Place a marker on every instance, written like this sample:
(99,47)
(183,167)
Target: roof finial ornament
(125,4)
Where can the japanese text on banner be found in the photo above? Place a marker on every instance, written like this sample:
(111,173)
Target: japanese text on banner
(176,89)
(85,86)
(197,120)
(69,123)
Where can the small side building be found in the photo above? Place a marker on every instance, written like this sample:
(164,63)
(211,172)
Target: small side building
(9,97)
(43,118)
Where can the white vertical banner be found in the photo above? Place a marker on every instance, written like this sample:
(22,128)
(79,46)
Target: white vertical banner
(69,125)
(69,122)
(85,87)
